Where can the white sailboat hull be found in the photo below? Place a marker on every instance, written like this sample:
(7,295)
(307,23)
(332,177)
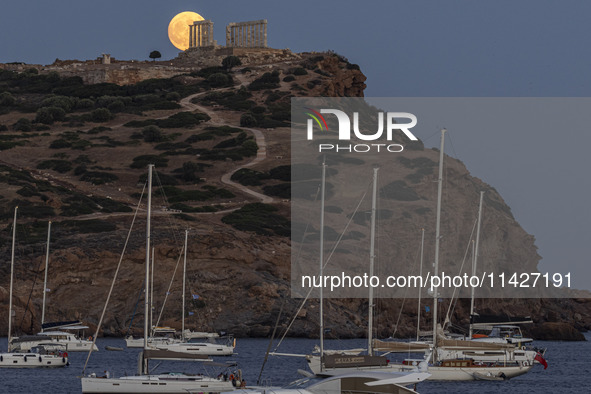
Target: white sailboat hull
(76,345)
(153,342)
(164,383)
(188,334)
(31,360)
(437,372)
(518,355)
(203,348)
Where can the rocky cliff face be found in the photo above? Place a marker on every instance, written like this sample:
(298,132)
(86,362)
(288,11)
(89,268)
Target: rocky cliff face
(237,280)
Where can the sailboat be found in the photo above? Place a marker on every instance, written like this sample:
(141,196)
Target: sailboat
(55,335)
(146,382)
(39,356)
(204,348)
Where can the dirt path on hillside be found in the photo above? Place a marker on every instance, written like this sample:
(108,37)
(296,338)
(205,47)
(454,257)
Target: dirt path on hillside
(215,120)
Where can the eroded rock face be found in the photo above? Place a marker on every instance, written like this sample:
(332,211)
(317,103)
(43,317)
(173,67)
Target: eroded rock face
(346,80)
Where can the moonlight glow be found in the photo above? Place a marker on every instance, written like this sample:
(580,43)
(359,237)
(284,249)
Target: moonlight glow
(178,29)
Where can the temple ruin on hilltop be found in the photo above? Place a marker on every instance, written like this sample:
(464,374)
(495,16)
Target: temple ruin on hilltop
(252,34)
(247,40)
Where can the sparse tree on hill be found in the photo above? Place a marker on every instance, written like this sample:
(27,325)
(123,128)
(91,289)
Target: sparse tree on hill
(231,61)
(155,55)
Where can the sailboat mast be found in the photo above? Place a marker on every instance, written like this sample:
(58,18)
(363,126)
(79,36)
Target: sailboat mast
(371,260)
(420,275)
(321,301)
(11,279)
(184,276)
(46,268)
(437,237)
(147,280)
(152,295)
(475,261)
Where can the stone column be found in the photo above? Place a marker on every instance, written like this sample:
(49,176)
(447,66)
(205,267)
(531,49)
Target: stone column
(252,44)
(265,33)
(259,39)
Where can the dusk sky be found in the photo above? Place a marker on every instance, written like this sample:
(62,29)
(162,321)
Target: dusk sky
(406,49)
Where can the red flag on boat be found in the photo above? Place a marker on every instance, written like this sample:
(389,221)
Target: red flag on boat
(541,360)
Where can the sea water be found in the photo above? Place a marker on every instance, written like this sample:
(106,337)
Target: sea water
(569,369)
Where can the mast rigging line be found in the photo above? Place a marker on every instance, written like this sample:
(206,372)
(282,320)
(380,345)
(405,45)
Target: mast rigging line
(450,310)
(169,287)
(100,323)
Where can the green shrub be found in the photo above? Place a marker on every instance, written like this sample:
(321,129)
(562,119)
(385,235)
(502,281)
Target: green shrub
(231,61)
(300,71)
(178,120)
(153,134)
(248,120)
(60,144)
(28,191)
(259,218)
(282,190)
(219,80)
(212,133)
(173,96)
(85,104)
(188,171)
(116,106)
(81,169)
(98,177)
(266,81)
(159,179)
(87,226)
(98,129)
(82,159)
(398,190)
(282,173)
(248,177)
(7,99)
(48,115)
(43,116)
(100,115)
(61,166)
(237,100)
(176,195)
(63,102)
(232,142)
(143,161)
(23,124)
(108,205)
(207,71)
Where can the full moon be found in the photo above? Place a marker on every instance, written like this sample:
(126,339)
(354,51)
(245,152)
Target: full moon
(178,29)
